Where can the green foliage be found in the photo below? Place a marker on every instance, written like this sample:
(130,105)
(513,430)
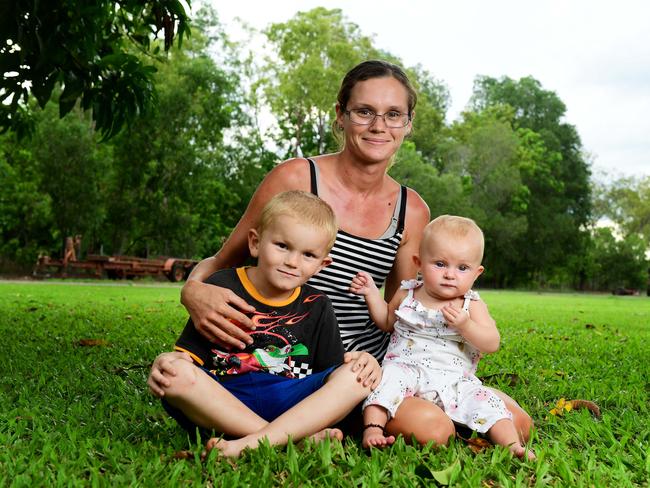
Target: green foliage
(87,48)
(314,51)
(81,416)
(612,263)
(552,169)
(627,202)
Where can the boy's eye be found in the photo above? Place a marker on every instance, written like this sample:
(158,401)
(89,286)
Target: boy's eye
(439,264)
(463,267)
(310,255)
(281,245)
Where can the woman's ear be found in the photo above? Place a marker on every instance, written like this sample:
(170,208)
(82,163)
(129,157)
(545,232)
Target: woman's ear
(253,242)
(340,114)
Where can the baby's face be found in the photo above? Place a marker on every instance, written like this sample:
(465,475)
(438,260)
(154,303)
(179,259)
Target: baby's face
(449,265)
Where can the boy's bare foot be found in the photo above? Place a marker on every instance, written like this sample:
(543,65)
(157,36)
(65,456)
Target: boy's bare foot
(520,451)
(225,448)
(374,437)
(330,434)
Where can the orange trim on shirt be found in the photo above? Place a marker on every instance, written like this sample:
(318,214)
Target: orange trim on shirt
(194,356)
(241,272)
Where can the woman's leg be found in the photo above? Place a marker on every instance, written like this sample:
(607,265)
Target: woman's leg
(523,422)
(422,419)
(208,404)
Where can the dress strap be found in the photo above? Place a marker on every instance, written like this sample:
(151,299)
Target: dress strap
(313,173)
(469,296)
(402,210)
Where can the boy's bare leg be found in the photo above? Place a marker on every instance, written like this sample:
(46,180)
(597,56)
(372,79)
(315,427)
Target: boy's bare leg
(504,433)
(373,435)
(326,406)
(208,404)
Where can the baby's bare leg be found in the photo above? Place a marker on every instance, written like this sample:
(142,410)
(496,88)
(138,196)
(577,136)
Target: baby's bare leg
(374,424)
(208,404)
(333,401)
(504,433)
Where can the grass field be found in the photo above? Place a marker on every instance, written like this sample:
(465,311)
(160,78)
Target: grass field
(81,415)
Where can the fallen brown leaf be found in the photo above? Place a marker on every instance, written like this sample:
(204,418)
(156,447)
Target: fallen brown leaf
(589,405)
(92,342)
(183,455)
(476,444)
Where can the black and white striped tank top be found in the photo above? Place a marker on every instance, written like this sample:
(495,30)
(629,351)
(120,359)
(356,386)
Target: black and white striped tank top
(350,255)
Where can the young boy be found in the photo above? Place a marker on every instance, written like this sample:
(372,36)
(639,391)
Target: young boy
(289,381)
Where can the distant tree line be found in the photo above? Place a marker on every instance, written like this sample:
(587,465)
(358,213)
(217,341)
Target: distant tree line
(176,180)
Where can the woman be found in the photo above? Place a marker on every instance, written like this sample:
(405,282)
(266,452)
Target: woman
(380,222)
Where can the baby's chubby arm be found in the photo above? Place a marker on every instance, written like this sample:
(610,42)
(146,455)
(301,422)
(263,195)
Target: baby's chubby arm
(477,326)
(363,284)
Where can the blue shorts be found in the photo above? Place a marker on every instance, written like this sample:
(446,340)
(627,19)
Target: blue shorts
(268,395)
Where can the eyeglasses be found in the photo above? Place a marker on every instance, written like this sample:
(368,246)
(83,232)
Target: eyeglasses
(392,119)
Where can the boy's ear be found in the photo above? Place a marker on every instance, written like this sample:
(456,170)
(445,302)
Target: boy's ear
(326,262)
(479,271)
(253,242)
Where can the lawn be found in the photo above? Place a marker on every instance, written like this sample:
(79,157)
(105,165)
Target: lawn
(73,414)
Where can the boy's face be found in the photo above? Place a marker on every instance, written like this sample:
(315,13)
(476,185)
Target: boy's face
(288,253)
(449,265)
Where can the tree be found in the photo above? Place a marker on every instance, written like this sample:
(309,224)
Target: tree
(87,48)
(314,51)
(627,202)
(173,168)
(553,169)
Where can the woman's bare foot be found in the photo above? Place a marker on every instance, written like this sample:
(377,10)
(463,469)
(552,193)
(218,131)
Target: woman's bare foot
(520,451)
(331,434)
(374,437)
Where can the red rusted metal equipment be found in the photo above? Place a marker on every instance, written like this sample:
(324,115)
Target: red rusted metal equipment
(114,267)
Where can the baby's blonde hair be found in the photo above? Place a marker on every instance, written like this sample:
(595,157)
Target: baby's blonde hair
(454,226)
(304,207)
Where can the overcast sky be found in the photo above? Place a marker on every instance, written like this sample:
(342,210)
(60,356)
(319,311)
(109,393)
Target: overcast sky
(594,54)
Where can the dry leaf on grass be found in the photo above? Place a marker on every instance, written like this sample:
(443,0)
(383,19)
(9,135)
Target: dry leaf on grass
(564,405)
(92,342)
(183,455)
(476,444)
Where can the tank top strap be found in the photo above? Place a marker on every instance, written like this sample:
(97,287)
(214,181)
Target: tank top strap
(402,209)
(313,174)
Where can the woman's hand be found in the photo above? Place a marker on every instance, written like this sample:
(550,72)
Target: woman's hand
(367,366)
(217,314)
(162,367)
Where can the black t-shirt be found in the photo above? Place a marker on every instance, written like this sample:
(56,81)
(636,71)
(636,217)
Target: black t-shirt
(293,338)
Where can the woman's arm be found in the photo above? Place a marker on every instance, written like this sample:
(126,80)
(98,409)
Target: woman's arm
(404,268)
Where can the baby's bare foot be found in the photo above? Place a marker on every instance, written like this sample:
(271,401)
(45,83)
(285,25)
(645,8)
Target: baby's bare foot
(374,437)
(521,452)
(331,434)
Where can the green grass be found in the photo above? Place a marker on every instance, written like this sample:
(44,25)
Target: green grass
(73,415)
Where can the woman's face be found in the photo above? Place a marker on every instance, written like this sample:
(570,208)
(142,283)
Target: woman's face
(375,142)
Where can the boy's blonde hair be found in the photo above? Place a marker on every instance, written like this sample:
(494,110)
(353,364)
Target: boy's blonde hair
(454,226)
(304,207)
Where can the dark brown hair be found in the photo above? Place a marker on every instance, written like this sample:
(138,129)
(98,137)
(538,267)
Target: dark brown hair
(375,69)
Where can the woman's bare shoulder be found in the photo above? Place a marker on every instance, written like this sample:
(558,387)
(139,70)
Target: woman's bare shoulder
(292,174)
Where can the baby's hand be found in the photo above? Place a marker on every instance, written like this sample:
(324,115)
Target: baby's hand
(362,284)
(455,317)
